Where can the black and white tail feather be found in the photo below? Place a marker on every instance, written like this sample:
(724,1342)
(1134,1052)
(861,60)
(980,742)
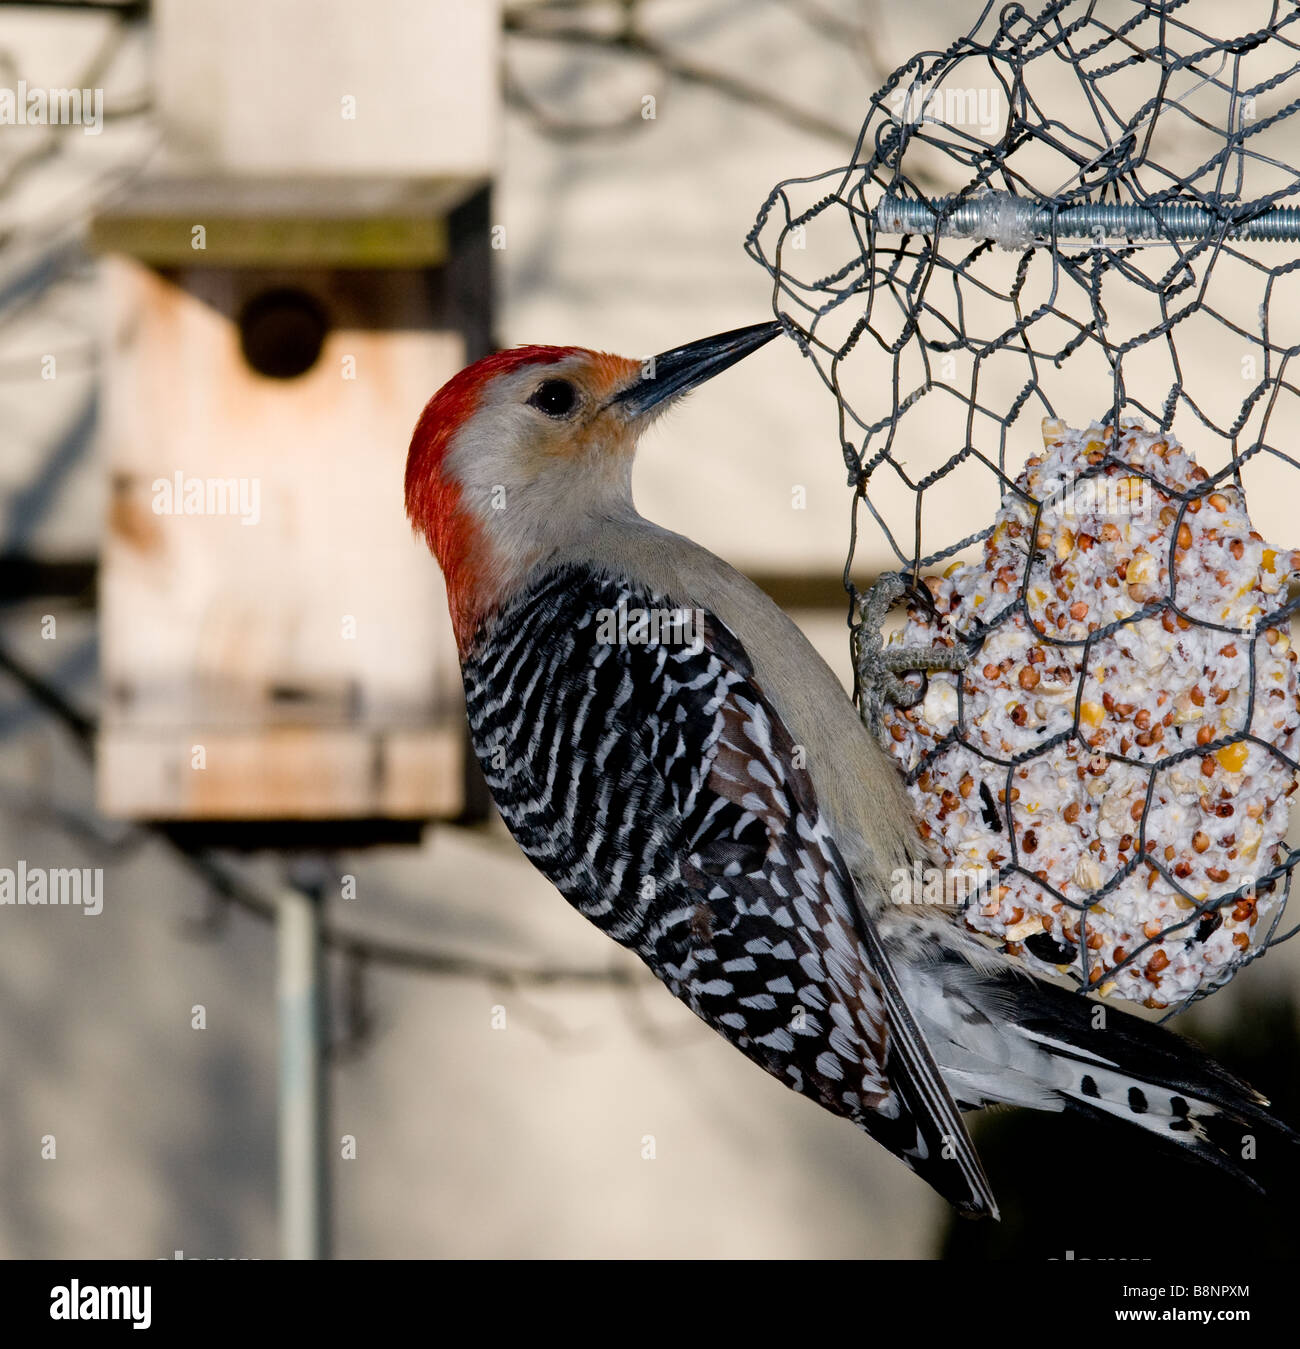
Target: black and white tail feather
(1136,1071)
(1003,1036)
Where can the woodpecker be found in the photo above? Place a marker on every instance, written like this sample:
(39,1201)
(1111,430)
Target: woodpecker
(667,747)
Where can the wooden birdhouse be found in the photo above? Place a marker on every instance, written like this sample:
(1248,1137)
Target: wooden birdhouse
(303,268)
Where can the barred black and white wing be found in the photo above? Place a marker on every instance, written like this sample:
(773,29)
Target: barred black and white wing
(638,764)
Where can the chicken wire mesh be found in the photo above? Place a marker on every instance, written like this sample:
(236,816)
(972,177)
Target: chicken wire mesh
(1077,215)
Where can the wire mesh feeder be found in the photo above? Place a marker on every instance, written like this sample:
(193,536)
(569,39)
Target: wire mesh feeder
(1077,217)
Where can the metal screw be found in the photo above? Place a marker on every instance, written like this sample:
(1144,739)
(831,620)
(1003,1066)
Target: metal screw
(1016,222)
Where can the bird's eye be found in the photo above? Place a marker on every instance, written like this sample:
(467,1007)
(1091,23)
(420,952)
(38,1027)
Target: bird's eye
(555,397)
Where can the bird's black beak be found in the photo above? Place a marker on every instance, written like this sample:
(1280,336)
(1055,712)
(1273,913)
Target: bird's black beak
(674,372)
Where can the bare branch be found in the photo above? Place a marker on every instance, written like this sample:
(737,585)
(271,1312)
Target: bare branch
(627,40)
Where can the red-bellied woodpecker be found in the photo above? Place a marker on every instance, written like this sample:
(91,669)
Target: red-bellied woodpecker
(667,747)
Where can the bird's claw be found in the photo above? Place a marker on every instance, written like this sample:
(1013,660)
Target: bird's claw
(879,666)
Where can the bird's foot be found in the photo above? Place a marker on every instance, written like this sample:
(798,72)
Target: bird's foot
(878,666)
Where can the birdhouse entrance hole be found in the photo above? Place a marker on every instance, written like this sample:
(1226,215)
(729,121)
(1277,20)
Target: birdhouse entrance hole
(282,332)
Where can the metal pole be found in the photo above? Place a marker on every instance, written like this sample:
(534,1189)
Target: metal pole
(300,995)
